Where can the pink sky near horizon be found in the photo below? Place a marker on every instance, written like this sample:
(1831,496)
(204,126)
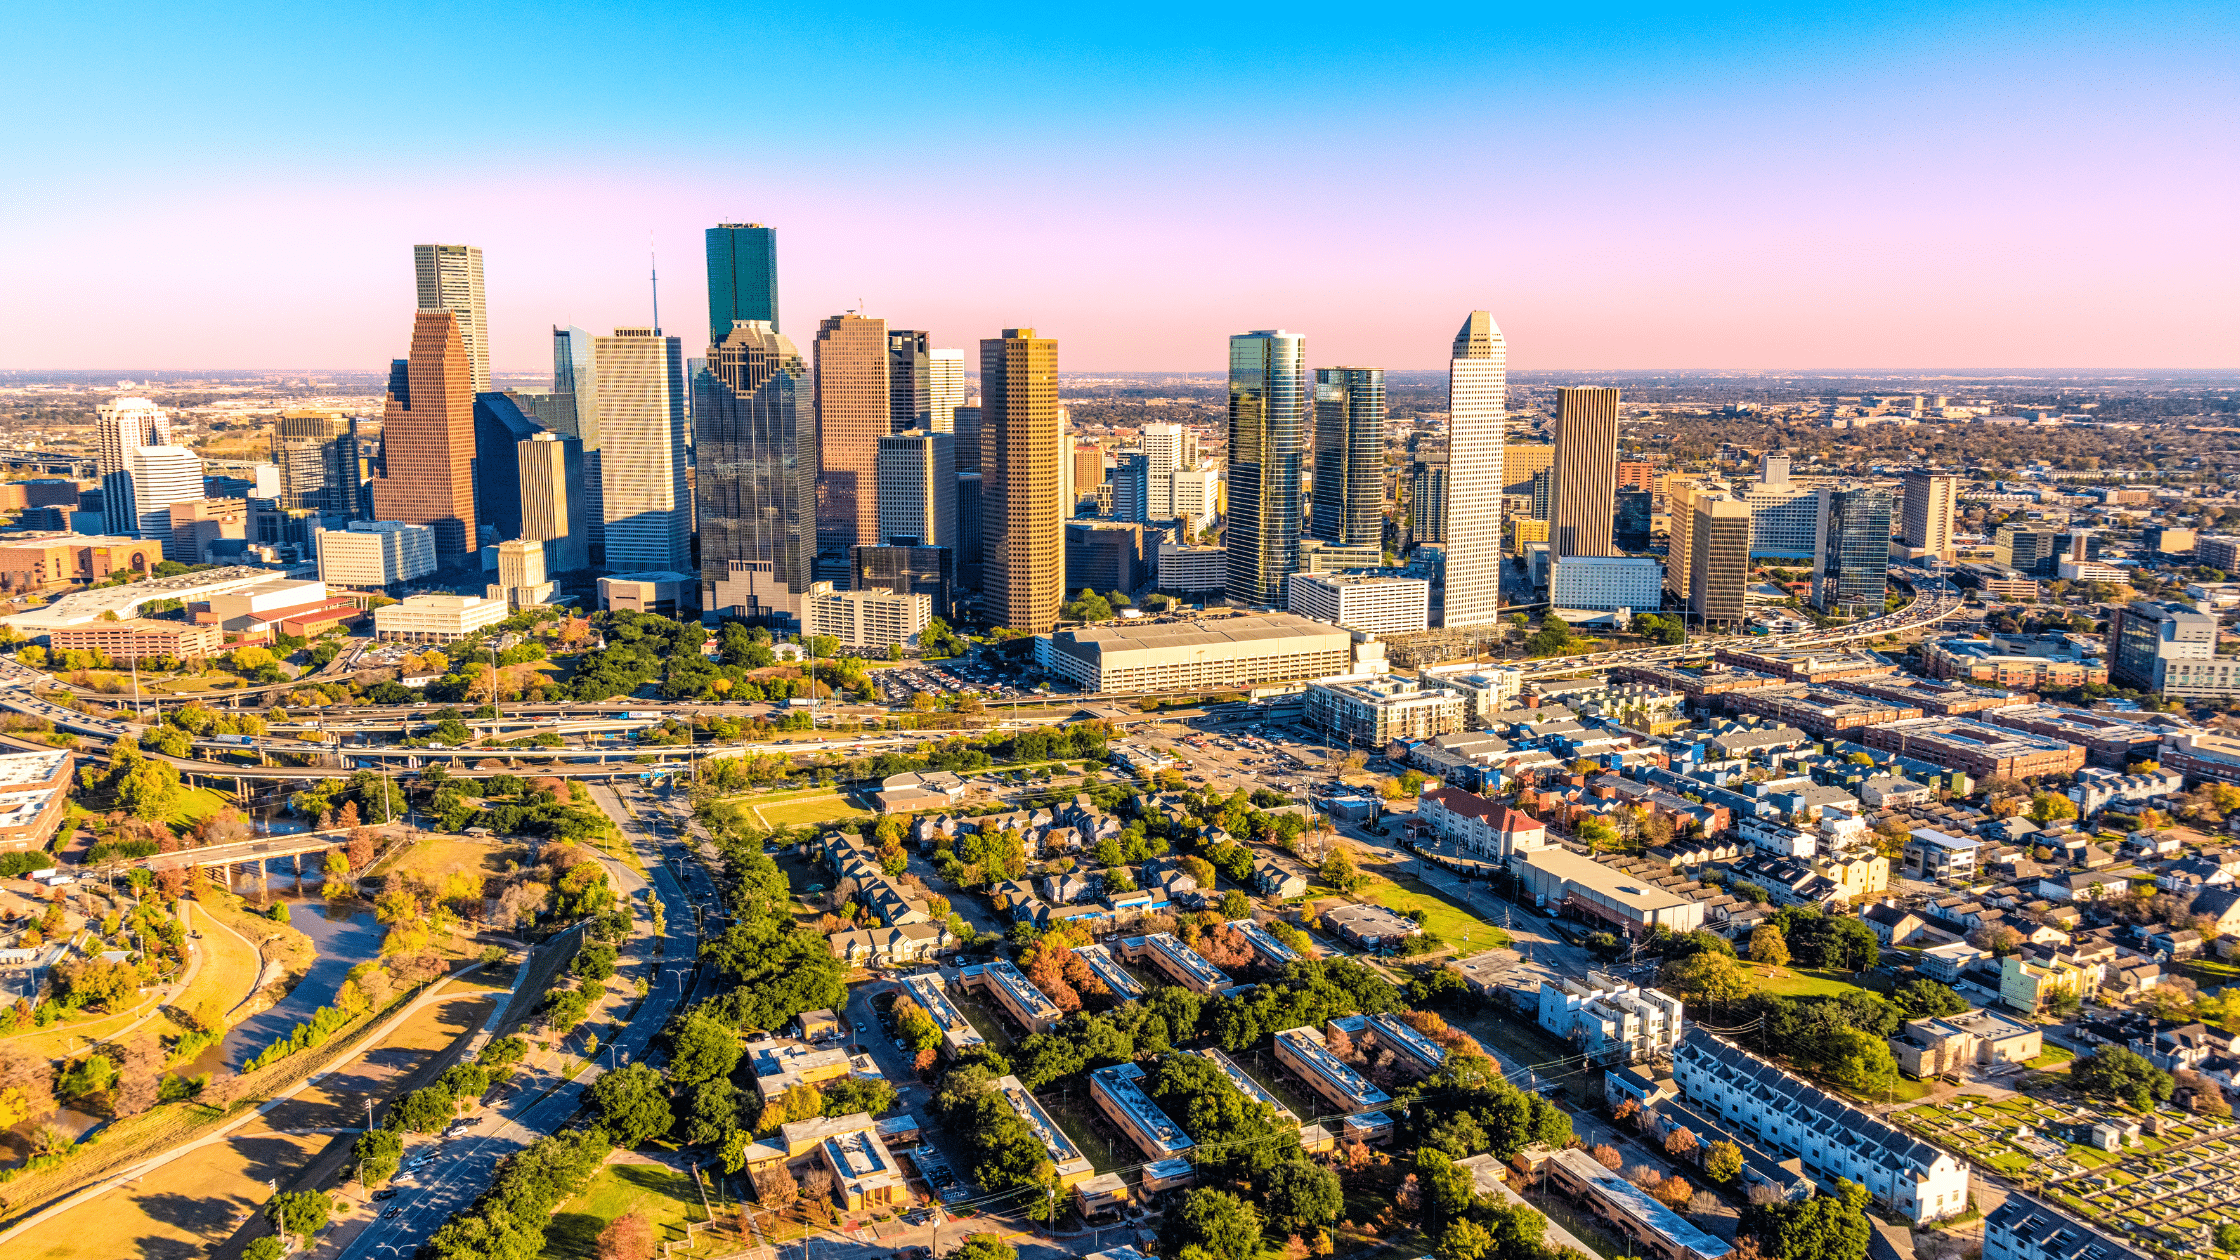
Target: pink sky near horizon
(1134,282)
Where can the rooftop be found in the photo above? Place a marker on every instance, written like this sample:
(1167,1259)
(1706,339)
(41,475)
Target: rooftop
(1307,1045)
(1215,633)
(1632,891)
(1120,1084)
(1245,1084)
(1189,959)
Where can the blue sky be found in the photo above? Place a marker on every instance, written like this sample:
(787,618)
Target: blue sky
(1716,186)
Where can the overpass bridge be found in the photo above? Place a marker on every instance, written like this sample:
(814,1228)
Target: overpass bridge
(83,467)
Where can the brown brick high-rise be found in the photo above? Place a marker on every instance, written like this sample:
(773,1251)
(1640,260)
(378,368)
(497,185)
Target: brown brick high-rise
(428,446)
(1585,504)
(854,410)
(1022,530)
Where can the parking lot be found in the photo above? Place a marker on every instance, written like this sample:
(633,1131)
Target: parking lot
(971,675)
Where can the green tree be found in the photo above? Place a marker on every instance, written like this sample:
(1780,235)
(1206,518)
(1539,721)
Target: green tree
(377,1152)
(633,1105)
(1218,1224)
(1768,946)
(1722,1162)
(2046,807)
(1922,999)
(1826,1227)
(264,1247)
(423,1110)
(1338,872)
(985,1247)
(2114,1072)
(1301,1198)
(1860,1062)
(701,1049)
(298,1212)
(1464,1239)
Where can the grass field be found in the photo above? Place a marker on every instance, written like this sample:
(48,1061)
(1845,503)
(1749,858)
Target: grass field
(1790,983)
(433,857)
(664,1196)
(180,1209)
(806,811)
(1442,916)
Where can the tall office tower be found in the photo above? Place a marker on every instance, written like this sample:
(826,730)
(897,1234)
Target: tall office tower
(427,441)
(1477,426)
(575,373)
(122,426)
(1636,474)
(757,484)
(967,429)
(970,554)
(1169,448)
(1543,493)
(1930,497)
(162,476)
(1631,530)
(1131,487)
(918,489)
(1773,470)
(2034,551)
(451,280)
(945,388)
(1022,530)
(1519,460)
(1349,456)
(1586,467)
(909,381)
(1679,509)
(319,426)
(854,407)
(641,458)
(1427,498)
(1851,550)
(1267,405)
(1718,559)
(1088,470)
(742,278)
(554,508)
(321,475)
(500,427)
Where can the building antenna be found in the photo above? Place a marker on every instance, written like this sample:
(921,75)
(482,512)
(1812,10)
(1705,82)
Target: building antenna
(653,265)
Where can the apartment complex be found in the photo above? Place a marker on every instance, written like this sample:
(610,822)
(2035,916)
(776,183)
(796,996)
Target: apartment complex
(1831,1138)
(1267,435)
(1609,1020)
(868,619)
(1375,709)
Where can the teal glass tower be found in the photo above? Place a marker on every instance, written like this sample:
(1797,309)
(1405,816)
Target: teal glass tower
(1267,430)
(742,277)
(1349,456)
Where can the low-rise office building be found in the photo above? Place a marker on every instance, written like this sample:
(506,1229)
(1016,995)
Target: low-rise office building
(866,620)
(1223,652)
(864,1173)
(437,618)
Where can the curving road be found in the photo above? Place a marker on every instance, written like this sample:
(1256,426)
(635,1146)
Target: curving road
(539,1102)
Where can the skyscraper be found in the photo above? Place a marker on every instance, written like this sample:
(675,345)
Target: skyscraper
(742,277)
(1088,470)
(575,386)
(854,410)
(162,476)
(967,428)
(1477,427)
(450,279)
(1131,487)
(554,508)
(756,488)
(1928,511)
(1022,531)
(500,426)
(1427,497)
(427,440)
(1349,456)
(1585,501)
(642,457)
(122,426)
(918,489)
(1851,550)
(909,381)
(1718,556)
(1267,403)
(945,389)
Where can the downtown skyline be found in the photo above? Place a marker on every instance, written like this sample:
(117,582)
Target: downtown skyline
(1736,190)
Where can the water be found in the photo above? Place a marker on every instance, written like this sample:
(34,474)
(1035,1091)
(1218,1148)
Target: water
(344,936)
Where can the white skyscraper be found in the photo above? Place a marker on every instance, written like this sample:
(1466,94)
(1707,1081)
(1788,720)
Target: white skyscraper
(450,279)
(1170,448)
(162,476)
(641,457)
(945,387)
(1477,405)
(122,426)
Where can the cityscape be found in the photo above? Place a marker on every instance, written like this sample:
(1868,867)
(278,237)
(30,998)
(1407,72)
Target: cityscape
(1653,670)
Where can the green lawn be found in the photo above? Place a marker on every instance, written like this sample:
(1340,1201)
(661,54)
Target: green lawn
(1442,917)
(663,1195)
(809,810)
(2053,1057)
(196,805)
(2210,973)
(1789,983)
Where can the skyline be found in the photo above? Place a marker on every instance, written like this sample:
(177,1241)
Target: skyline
(1744,188)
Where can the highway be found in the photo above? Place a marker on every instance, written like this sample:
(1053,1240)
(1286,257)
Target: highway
(540,1102)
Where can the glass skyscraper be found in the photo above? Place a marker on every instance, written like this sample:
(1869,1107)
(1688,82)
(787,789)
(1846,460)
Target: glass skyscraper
(1267,410)
(1349,456)
(742,276)
(1851,550)
(756,481)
